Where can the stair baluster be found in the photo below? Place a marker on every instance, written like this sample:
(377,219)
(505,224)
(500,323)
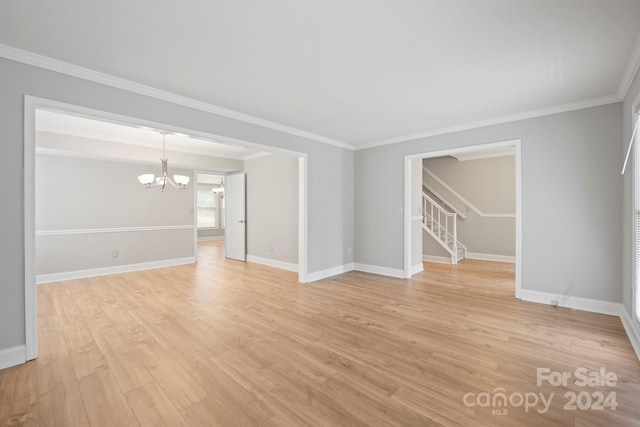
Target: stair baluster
(445,234)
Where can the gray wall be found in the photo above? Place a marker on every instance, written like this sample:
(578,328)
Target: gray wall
(489,185)
(330,189)
(211,233)
(272,207)
(627,217)
(80,194)
(571,191)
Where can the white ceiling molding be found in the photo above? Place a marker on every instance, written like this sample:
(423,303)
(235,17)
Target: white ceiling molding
(630,72)
(48,63)
(115,158)
(496,121)
(256,155)
(51,64)
(484,154)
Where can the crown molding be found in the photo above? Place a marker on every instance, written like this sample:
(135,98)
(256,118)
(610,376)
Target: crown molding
(256,155)
(51,64)
(595,102)
(630,72)
(633,66)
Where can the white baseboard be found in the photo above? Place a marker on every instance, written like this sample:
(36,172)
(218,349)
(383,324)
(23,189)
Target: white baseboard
(490,257)
(12,356)
(116,269)
(209,238)
(383,271)
(438,259)
(418,268)
(586,304)
(333,271)
(273,263)
(632,329)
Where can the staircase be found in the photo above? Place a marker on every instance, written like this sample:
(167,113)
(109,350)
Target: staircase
(442,226)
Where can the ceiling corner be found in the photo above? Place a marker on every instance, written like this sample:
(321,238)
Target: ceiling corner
(630,71)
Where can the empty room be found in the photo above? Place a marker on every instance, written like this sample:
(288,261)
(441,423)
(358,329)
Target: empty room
(320,213)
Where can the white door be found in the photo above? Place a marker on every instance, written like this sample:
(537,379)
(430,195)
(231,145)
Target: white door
(235,224)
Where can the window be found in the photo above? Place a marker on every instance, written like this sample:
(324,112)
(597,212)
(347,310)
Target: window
(207,207)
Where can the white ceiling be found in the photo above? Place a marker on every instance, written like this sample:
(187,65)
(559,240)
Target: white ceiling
(359,72)
(50,121)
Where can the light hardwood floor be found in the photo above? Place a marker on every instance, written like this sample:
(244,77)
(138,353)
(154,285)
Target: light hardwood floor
(238,344)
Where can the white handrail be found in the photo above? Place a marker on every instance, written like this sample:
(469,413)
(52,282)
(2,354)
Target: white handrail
(465,201)
(445,201)
(433,224)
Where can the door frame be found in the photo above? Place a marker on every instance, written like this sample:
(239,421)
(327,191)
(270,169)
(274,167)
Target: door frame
(227,242)
(515,143)
(33,103)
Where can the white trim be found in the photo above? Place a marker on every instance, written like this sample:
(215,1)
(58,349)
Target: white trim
(481,155)
(440,242)
(51,64)
(382,271)
(91,113)
(30,297)
(444,200)
(12,356)
(438,259)
(209,238)
(194,192)
(116,269)
(408,226)
(303,184)
(256,155)
(112,230)
(116,158)
(630,72)
(407,194)
(465,201)
(518,219)
(31,103)
(330,272)
(595,102)
(273,263)
(490,257)
(568,301)
(418,268)
(632,330)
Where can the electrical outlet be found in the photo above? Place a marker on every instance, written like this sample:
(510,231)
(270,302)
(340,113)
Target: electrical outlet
(349,251)
(271,247)
(114,254)
(400,210)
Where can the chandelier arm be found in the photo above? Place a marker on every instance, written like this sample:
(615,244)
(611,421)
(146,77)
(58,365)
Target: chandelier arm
(165,178)
(165,175)
(174,184)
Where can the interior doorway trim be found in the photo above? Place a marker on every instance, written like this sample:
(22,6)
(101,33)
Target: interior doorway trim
(31,104)
(515,143)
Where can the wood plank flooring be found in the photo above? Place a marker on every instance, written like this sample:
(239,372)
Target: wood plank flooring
(225,343)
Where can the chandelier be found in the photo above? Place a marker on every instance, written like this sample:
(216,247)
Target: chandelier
(149,180)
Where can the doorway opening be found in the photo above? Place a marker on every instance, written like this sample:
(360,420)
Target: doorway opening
(435,209)
(35,105)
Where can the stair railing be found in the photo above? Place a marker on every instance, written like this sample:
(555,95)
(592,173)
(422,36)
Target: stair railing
(445,233)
